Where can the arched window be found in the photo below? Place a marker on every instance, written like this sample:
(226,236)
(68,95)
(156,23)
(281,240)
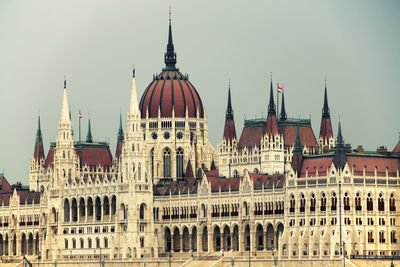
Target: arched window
(66,243)
(235,174)
(292,204)
(323,202)
(302,203)
(89,243)
(312,203)
(370,203)
(133,147)
(66,210)
(346,201)
(392,202)
(82,243)
(179,162)
(393,237)
(167,162)
(358,202)
(382,237)
(105,242)
(73,243)
(97,242)
(334,201)
(141,212)
(381,203)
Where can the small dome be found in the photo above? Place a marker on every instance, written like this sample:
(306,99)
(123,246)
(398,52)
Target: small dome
(171,90)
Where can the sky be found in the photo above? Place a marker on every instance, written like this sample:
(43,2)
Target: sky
(353,44)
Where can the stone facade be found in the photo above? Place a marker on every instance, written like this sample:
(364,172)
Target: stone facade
(168,192)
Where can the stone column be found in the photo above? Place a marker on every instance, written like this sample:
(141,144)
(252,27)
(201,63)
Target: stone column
(198,241)
(210,240)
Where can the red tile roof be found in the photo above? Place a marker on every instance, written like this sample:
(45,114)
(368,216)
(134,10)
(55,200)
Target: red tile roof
(4,186)
(94,156)
(307,137)
(50,158)
(229,130)
(396,150)
(5,199)
(312,164)
(38,152)
(370,163)
(189,170)
(272,125)
(252,136)
(28,197)
(326,128)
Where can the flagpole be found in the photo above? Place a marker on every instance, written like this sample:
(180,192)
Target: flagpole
(277,102)
(80,126)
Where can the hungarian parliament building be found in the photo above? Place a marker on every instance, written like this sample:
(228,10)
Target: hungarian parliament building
(166,193)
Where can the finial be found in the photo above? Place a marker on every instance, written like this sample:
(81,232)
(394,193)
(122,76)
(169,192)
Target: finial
(169,15)
(133,70)
(65,82)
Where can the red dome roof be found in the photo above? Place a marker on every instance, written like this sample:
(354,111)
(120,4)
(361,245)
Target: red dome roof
(170,89)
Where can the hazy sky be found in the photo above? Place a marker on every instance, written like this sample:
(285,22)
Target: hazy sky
(355,44)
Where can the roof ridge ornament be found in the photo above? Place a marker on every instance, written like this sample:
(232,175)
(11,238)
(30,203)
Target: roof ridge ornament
(325,109)
(271,105)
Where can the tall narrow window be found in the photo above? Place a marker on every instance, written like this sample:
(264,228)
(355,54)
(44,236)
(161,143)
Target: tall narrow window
(179,162)
(152,162)
(167,163)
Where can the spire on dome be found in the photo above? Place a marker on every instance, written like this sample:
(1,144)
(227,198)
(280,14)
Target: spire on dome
(89,138)
(339,157)
(271,105)
(283,115)
(39,151)
(170,55)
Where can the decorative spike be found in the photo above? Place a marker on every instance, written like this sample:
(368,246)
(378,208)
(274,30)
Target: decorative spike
(229,110)
(39,137)
(283,115)
(325,109)
(339,140)
(271,105)
(120,130)
(298,149)
(89,138)
(133,71)
(170,55)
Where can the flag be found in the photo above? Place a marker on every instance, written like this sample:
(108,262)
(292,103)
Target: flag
(279,89)
(80,115)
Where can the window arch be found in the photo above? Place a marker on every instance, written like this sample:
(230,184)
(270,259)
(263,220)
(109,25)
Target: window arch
(381,203)
(323,202)
(167,162)
(179,162)
(334,201)
(358,202)
(392,202)
(235,173)
(370,203)
(346,201)
(141,211)
(139,171)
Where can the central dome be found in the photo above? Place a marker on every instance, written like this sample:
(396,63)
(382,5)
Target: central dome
(170,90)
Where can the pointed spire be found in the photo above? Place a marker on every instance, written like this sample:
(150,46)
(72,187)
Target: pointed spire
(229,110)
(39,151)
(89,138)
(271,105)
(339,157)
(339,140)
(325,109)
(298,149)
(189,170)
(39,138)
(64,108)
(133,107)
(170,55)
(120,130)
(283,115)
(212,168)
